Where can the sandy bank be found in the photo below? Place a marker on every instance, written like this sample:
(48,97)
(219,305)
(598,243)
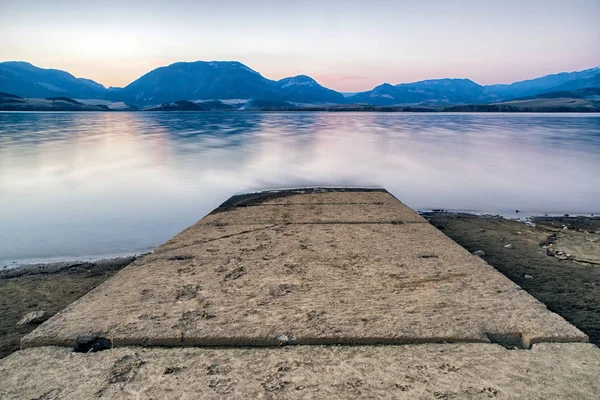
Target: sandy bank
(46,287)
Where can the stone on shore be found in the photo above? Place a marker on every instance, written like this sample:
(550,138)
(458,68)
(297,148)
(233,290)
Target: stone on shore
(34,317)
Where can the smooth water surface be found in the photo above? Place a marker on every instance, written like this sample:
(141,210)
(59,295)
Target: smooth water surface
(80,185)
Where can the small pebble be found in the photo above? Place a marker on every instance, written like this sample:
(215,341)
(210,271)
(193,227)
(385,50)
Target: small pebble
(527,276)
(283,338)
(508,246)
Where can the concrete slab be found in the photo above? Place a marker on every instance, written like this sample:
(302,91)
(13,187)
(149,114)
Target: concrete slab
(461,371)
(217,226)
(310,195)
(308,284)
(316,213)
(330,197)
(204,233)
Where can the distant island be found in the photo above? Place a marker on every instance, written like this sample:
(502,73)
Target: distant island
(232,86)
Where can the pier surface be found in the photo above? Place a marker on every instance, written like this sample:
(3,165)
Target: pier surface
(306,293)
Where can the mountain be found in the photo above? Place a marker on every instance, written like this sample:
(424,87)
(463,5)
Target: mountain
(578,84)
(198,80)
(548,83)
(203,80)
(579,100)
(229,80)
(590,93)
(443,92)
(26,80)
(4,96)
(429,92)
(384,95)
(449,91)
(304,89)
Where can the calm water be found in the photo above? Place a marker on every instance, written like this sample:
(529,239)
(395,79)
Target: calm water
(95,184)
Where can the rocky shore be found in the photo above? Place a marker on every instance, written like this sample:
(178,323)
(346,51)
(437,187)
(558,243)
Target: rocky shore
(96,267)
(555,259)
(33,293)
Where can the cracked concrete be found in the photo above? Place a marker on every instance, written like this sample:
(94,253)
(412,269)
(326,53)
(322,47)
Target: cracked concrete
(369,283)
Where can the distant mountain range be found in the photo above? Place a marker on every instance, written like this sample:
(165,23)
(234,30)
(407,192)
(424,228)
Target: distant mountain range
(430,92)
(228,80)
(26,80)
(219,80)
(565,81)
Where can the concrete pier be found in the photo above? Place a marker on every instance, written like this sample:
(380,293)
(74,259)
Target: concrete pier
(330,293)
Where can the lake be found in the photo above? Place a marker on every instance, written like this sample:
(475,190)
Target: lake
(90,185)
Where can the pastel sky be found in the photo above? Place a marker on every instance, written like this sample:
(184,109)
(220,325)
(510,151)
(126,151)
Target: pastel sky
(348,45)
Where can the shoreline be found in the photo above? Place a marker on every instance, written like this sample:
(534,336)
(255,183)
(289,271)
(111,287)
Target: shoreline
(73,266)
(543,255)
(46,289)
(554,259)
(51,261)
(50,264)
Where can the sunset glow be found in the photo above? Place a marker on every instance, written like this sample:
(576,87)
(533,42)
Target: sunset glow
(345,45)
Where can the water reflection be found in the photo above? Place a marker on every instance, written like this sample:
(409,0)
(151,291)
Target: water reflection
(78,184)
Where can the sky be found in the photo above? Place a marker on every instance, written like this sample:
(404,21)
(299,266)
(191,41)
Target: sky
(347,45)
